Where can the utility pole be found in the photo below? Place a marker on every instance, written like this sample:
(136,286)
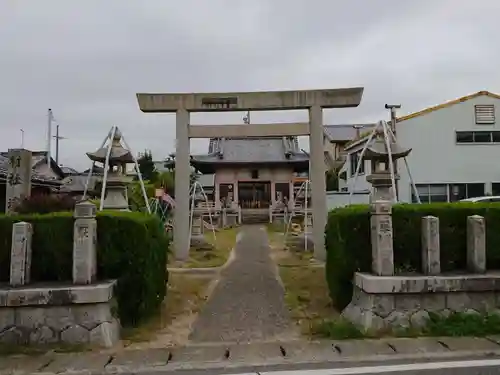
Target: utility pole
(49,136)
(393,108)
(22,138)
(57,138)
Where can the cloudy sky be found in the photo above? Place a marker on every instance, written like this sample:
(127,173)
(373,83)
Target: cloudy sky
(87,59)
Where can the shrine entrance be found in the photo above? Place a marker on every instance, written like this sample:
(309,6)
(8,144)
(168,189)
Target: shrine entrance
(312,100)
(254,194)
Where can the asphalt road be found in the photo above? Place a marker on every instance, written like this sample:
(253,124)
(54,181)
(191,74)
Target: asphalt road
(463,367)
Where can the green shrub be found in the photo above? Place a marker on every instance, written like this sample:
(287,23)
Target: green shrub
(45,203)
(135,196)
(348,242)
(132,248)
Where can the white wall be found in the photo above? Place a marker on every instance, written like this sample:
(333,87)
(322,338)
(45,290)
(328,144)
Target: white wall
(436,157)
(337,199)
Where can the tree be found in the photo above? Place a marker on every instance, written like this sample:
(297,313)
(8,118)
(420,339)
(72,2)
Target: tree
(332,181)
(147,167)
(167,179)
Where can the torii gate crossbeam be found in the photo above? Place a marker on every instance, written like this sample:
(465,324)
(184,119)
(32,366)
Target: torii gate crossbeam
(312,100)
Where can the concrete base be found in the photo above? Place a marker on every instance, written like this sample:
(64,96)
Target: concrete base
(230,220)
(70,314)
(384,302)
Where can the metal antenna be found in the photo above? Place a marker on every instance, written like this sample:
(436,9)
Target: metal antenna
(22,138)
(392,108)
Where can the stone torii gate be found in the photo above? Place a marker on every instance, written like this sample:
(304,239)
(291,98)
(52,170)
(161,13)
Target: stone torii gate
(313,100)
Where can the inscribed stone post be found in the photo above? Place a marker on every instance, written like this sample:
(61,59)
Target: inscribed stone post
(20,255)
(84,243)
(381,238)
(476,244)
(18,178)
(431,262)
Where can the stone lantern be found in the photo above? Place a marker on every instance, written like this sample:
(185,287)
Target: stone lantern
(198,241)
(380,178)
(116,196)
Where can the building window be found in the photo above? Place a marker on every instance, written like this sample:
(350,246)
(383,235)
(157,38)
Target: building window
(432,193)
(484,114)
(478,137)
(255,173)
(354,160)
(495,188)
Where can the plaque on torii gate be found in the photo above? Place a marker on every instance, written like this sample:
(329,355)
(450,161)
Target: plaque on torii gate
(312,100)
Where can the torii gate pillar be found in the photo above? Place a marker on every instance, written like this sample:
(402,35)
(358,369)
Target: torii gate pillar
(312,100)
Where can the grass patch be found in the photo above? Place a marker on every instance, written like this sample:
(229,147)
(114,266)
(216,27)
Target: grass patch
(223,244)
(306,292)
(457,324)
(337,329)
(463,324)
(186,295)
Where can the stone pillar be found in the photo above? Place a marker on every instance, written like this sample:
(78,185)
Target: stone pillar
(223,217)
(431,261)
(273,193)
(381,238)
(476,244)
(18,178)
(20,254)
(196,228)
(236,197)
(182,171)
(318,183)
(84,243)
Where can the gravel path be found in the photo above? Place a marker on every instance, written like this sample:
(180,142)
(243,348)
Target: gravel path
(248,302)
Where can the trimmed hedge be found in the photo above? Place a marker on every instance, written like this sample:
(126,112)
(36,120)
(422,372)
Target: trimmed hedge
(348,242)
(131,247)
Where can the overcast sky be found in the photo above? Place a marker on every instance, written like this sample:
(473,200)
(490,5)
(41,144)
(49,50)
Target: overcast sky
(86,60)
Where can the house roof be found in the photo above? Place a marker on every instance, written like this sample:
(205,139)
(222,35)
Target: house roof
(69,170)
(268,150)
(39,157)
(36,177)
(447,104)
(429,110)
(77,183)
(345,132)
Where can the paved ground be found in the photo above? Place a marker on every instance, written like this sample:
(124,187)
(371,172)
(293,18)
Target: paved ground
(248,302)
(353,355)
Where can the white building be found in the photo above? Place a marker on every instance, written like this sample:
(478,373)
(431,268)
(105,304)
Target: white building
(455,151)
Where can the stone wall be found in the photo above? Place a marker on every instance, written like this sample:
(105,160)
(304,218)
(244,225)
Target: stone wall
(78,312)
(383,300)
(41,315)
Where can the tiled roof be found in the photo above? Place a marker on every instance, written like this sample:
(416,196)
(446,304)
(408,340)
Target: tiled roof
(35,177)
(448,104)
(69,170)
(253,150)
(77,183)
(345,132)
